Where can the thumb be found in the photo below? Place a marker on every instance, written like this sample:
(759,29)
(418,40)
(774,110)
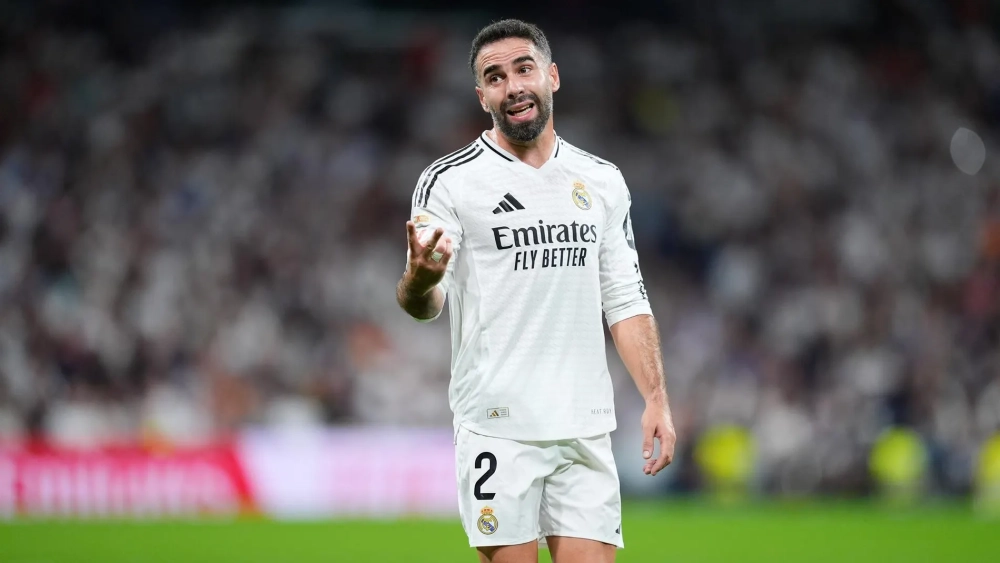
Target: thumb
(647,442)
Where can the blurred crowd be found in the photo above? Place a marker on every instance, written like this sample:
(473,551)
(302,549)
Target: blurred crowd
(201,229)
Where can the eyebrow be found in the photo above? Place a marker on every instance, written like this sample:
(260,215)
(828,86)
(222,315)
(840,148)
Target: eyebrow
(521,59)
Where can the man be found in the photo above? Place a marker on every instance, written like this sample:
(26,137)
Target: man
(530,238)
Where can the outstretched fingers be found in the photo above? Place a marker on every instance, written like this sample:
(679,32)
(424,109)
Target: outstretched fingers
(412,239)
(431,247)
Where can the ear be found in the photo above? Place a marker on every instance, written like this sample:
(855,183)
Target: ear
(482,99)
(554,76)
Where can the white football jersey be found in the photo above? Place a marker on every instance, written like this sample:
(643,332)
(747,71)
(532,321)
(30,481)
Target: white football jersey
(539,255)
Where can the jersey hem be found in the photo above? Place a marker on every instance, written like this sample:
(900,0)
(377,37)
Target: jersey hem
(517,437)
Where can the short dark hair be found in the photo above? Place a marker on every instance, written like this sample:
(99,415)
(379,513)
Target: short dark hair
(505,29)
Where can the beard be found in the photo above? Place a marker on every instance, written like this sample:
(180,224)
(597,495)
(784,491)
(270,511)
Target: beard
(526,131)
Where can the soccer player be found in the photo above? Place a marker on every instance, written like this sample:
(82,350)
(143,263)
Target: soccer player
(530,238)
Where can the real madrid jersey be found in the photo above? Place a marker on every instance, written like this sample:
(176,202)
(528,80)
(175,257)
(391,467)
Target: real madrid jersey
(540,256)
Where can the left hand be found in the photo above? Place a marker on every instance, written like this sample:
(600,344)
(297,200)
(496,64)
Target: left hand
(657,423)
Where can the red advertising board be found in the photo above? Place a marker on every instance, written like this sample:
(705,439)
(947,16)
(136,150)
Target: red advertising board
(121,481)
(318,473)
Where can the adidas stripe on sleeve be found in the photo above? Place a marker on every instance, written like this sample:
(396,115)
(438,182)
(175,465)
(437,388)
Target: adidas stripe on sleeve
(432,207)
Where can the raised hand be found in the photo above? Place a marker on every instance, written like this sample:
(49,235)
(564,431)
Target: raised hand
(428,262)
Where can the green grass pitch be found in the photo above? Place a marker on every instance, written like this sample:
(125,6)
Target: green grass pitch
(663,531)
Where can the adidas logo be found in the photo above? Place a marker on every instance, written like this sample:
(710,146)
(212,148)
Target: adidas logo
(508,203)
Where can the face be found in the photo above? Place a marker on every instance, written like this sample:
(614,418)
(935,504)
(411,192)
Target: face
(515,86)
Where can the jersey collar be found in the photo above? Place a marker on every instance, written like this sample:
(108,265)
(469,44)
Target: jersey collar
(499,151)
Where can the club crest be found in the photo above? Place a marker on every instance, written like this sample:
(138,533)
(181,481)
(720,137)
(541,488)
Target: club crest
(488,523)
(580,196)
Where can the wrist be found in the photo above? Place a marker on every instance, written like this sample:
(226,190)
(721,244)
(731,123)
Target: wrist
(416,287)
(657,398)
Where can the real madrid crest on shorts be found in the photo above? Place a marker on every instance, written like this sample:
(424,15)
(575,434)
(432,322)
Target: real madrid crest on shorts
(488,523)
(580,196)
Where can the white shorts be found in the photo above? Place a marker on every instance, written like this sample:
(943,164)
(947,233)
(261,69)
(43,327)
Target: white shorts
(512,492)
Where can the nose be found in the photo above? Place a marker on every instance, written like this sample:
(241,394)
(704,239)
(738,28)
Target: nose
(515,87)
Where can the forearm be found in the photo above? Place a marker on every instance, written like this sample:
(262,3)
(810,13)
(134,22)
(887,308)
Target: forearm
(638,342)
(418,301)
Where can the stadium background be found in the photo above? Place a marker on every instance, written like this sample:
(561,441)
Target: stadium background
(201,227)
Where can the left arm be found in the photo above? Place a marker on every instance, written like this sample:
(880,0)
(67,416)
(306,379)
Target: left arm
(627,310)
(638,342)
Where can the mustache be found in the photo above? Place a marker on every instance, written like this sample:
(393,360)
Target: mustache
(525,98)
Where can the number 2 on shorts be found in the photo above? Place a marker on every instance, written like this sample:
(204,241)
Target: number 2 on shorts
(480,495)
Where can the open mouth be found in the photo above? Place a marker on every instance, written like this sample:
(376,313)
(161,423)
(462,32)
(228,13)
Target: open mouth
(520,110)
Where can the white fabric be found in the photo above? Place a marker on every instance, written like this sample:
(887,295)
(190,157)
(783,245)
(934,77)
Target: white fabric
(539,489)
(526,287)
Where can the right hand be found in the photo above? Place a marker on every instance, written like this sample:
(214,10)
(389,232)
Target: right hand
(425,272)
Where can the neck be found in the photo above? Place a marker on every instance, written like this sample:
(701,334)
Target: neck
(534,153)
